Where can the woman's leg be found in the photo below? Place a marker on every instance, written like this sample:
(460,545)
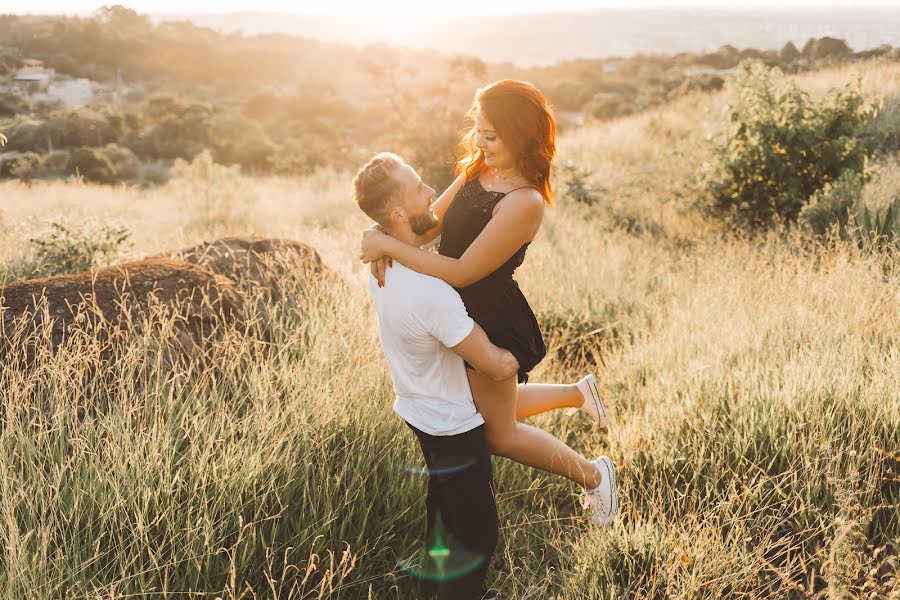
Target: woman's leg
(496,401)
(536,398)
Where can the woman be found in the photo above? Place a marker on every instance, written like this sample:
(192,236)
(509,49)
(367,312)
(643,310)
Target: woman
(487,218)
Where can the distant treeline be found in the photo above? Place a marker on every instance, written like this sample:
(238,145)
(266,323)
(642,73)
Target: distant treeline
(282,104)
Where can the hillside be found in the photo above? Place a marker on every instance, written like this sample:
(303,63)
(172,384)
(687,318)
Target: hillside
(118,97)
(754,383)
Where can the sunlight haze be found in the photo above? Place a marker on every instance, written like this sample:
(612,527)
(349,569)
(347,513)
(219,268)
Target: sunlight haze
(461,7)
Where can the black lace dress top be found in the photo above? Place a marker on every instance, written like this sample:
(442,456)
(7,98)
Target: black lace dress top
(496,303)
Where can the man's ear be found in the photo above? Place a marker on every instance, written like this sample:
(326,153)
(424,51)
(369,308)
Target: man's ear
(397,215)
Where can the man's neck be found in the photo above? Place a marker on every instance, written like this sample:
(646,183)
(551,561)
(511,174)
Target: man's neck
(406,235)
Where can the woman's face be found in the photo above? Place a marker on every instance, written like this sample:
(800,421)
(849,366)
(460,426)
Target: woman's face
(496,153)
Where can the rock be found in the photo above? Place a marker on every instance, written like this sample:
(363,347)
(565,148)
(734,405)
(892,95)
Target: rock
(117,302)
(258,263)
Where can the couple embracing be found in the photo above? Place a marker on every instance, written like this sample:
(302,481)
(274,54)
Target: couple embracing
(459,336)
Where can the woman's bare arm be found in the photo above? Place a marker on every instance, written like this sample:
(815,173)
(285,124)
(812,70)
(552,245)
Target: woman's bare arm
(440,207)
(516,222)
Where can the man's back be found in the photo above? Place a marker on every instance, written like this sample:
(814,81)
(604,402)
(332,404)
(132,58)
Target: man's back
(420,318)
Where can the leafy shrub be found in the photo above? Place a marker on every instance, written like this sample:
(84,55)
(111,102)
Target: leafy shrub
(7,159)
(10,105)
(702,83)
(833,204)
(826,47)
(66,250)
(576,184)
(876,228)
(789,53)
(235,139)
(18,164)
(123,160)
(168,139)
(783,147)
(65,129)
(93,165)
(841,205)
(56,164)
(608,106)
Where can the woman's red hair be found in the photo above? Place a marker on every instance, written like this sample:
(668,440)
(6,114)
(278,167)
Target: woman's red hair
(523,120)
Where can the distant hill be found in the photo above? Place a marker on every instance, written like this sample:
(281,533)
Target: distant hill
(530,40)
(280,103)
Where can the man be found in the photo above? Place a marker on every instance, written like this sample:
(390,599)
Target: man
(427,334)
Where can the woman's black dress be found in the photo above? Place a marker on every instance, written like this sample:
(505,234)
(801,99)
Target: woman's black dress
(496,303)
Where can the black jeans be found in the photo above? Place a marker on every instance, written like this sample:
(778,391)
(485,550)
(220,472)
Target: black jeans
(462,525)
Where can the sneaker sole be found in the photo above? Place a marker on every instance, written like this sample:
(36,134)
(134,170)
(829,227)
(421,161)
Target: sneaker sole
(598,399)
(610,469)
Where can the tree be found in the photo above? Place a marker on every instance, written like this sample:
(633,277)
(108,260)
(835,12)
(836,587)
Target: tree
(826,47)
(789,53)
(123,20)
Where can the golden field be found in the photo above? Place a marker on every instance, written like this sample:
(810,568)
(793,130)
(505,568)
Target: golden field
(755,383)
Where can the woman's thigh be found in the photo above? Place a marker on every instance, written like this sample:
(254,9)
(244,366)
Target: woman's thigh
(496,401)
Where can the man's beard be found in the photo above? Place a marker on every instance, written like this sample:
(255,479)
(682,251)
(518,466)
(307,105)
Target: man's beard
(422,224)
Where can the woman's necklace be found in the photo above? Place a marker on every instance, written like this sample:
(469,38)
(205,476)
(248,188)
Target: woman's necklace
(501,178)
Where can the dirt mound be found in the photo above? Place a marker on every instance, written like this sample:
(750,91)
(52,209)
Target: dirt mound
(195,305)
(258,263)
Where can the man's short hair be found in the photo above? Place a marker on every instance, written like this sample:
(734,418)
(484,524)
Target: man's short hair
(375,190)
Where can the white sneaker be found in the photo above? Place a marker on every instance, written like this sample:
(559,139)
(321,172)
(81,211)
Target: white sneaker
(603,500)
(593,401)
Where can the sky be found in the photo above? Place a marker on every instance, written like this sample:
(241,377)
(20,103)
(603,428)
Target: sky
(412,9)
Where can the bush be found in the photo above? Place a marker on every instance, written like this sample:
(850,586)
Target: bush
(123,160)
(833,204)
(168,139)
(56,164)
(10,105)
(27,134)
(576,184)
(783,147)
(7,160)
(235,139)
(92,164)
(21,165)
(65,129)
(877,228)
(789,53)
(841,206)
(826,47)
(64,250)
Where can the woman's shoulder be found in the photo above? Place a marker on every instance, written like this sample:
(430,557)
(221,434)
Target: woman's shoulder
(527,197)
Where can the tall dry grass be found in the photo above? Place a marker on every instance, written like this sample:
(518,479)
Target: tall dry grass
(756,388)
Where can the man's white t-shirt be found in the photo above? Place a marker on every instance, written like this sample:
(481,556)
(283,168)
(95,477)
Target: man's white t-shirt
(420,318)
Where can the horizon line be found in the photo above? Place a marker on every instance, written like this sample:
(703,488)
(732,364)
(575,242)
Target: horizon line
(773,7)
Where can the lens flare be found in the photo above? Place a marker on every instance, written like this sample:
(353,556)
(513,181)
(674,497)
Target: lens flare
(443,558)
